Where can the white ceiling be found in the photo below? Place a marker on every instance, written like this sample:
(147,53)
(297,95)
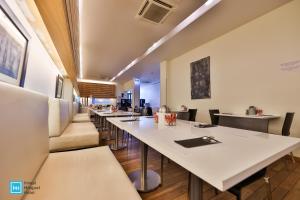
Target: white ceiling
(112,37)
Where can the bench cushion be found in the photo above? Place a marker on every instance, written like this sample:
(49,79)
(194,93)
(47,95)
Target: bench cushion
(81,117)
(75,136)
(91,174)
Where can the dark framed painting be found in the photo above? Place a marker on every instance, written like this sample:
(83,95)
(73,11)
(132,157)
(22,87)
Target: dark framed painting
(59,87)
(200,79)
(13,47)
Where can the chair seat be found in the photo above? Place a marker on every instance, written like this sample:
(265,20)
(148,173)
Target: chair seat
(91,174)
(75,136)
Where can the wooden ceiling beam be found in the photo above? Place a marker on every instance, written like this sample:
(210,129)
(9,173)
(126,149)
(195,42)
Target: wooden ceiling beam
(97,90)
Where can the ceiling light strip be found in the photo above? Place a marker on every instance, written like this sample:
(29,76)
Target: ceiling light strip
(80,46)
(182,25)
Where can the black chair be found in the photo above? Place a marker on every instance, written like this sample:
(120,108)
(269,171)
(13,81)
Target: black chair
(183,116)
(237,189)
(213,117)
(147,111)
(193,113)
(287,126)
(136,109)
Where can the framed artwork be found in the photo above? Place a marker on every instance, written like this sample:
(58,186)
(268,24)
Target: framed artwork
(59,87)
(13,47)
(200,79)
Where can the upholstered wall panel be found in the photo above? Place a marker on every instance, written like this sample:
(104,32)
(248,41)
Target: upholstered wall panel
(75,108)
(64,115)
(24,141)
(54,117)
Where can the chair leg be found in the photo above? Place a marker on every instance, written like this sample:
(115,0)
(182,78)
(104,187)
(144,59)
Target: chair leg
(189,182)
(268,188)
(123,138)
(292,156)
(161,169)
(216,191)
(286,163)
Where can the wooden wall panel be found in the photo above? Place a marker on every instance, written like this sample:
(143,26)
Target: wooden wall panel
(55,17)
(97,90)
(73,16)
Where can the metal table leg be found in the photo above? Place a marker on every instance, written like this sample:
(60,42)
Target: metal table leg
(195,187)
(145,180)
(116,145)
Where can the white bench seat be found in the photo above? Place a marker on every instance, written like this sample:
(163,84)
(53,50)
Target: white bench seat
(81,117)
(91,174)
(75,136)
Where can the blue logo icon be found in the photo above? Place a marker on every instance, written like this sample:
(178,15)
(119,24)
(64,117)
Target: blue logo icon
(16,187)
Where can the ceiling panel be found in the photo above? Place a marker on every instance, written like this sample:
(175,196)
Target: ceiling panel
(112,36)
(226,16)
(97,90)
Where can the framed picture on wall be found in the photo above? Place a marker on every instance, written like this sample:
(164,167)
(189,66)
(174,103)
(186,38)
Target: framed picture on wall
(200,79)
(59,87)
(13,47)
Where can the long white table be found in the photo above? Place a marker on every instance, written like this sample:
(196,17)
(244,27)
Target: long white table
(117,114)
(249,122)
(103,115)
(249,116)
(240,154)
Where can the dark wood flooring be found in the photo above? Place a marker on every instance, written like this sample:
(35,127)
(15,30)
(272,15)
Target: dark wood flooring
(285,178)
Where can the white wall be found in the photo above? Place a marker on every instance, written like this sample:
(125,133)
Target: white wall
(151,94)
(247,68)
(41,71)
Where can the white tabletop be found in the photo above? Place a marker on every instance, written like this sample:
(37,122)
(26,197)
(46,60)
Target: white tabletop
(116,114)
(249,116)
(240,154)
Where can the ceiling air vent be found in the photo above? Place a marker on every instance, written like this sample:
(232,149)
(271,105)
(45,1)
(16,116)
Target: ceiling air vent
(155,11)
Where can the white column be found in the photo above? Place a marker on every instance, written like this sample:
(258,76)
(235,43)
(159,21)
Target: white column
(136,93)
(163,83)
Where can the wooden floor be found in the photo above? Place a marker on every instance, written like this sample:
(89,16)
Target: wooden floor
(285,179)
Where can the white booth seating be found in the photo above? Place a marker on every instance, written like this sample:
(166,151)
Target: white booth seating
(65,135)
(79,117)
(91,174)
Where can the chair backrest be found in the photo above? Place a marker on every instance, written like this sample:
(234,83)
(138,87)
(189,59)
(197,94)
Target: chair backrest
(287,123)
(214,119)
(147,111)
(193,113)
(183,116)
(24,142)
